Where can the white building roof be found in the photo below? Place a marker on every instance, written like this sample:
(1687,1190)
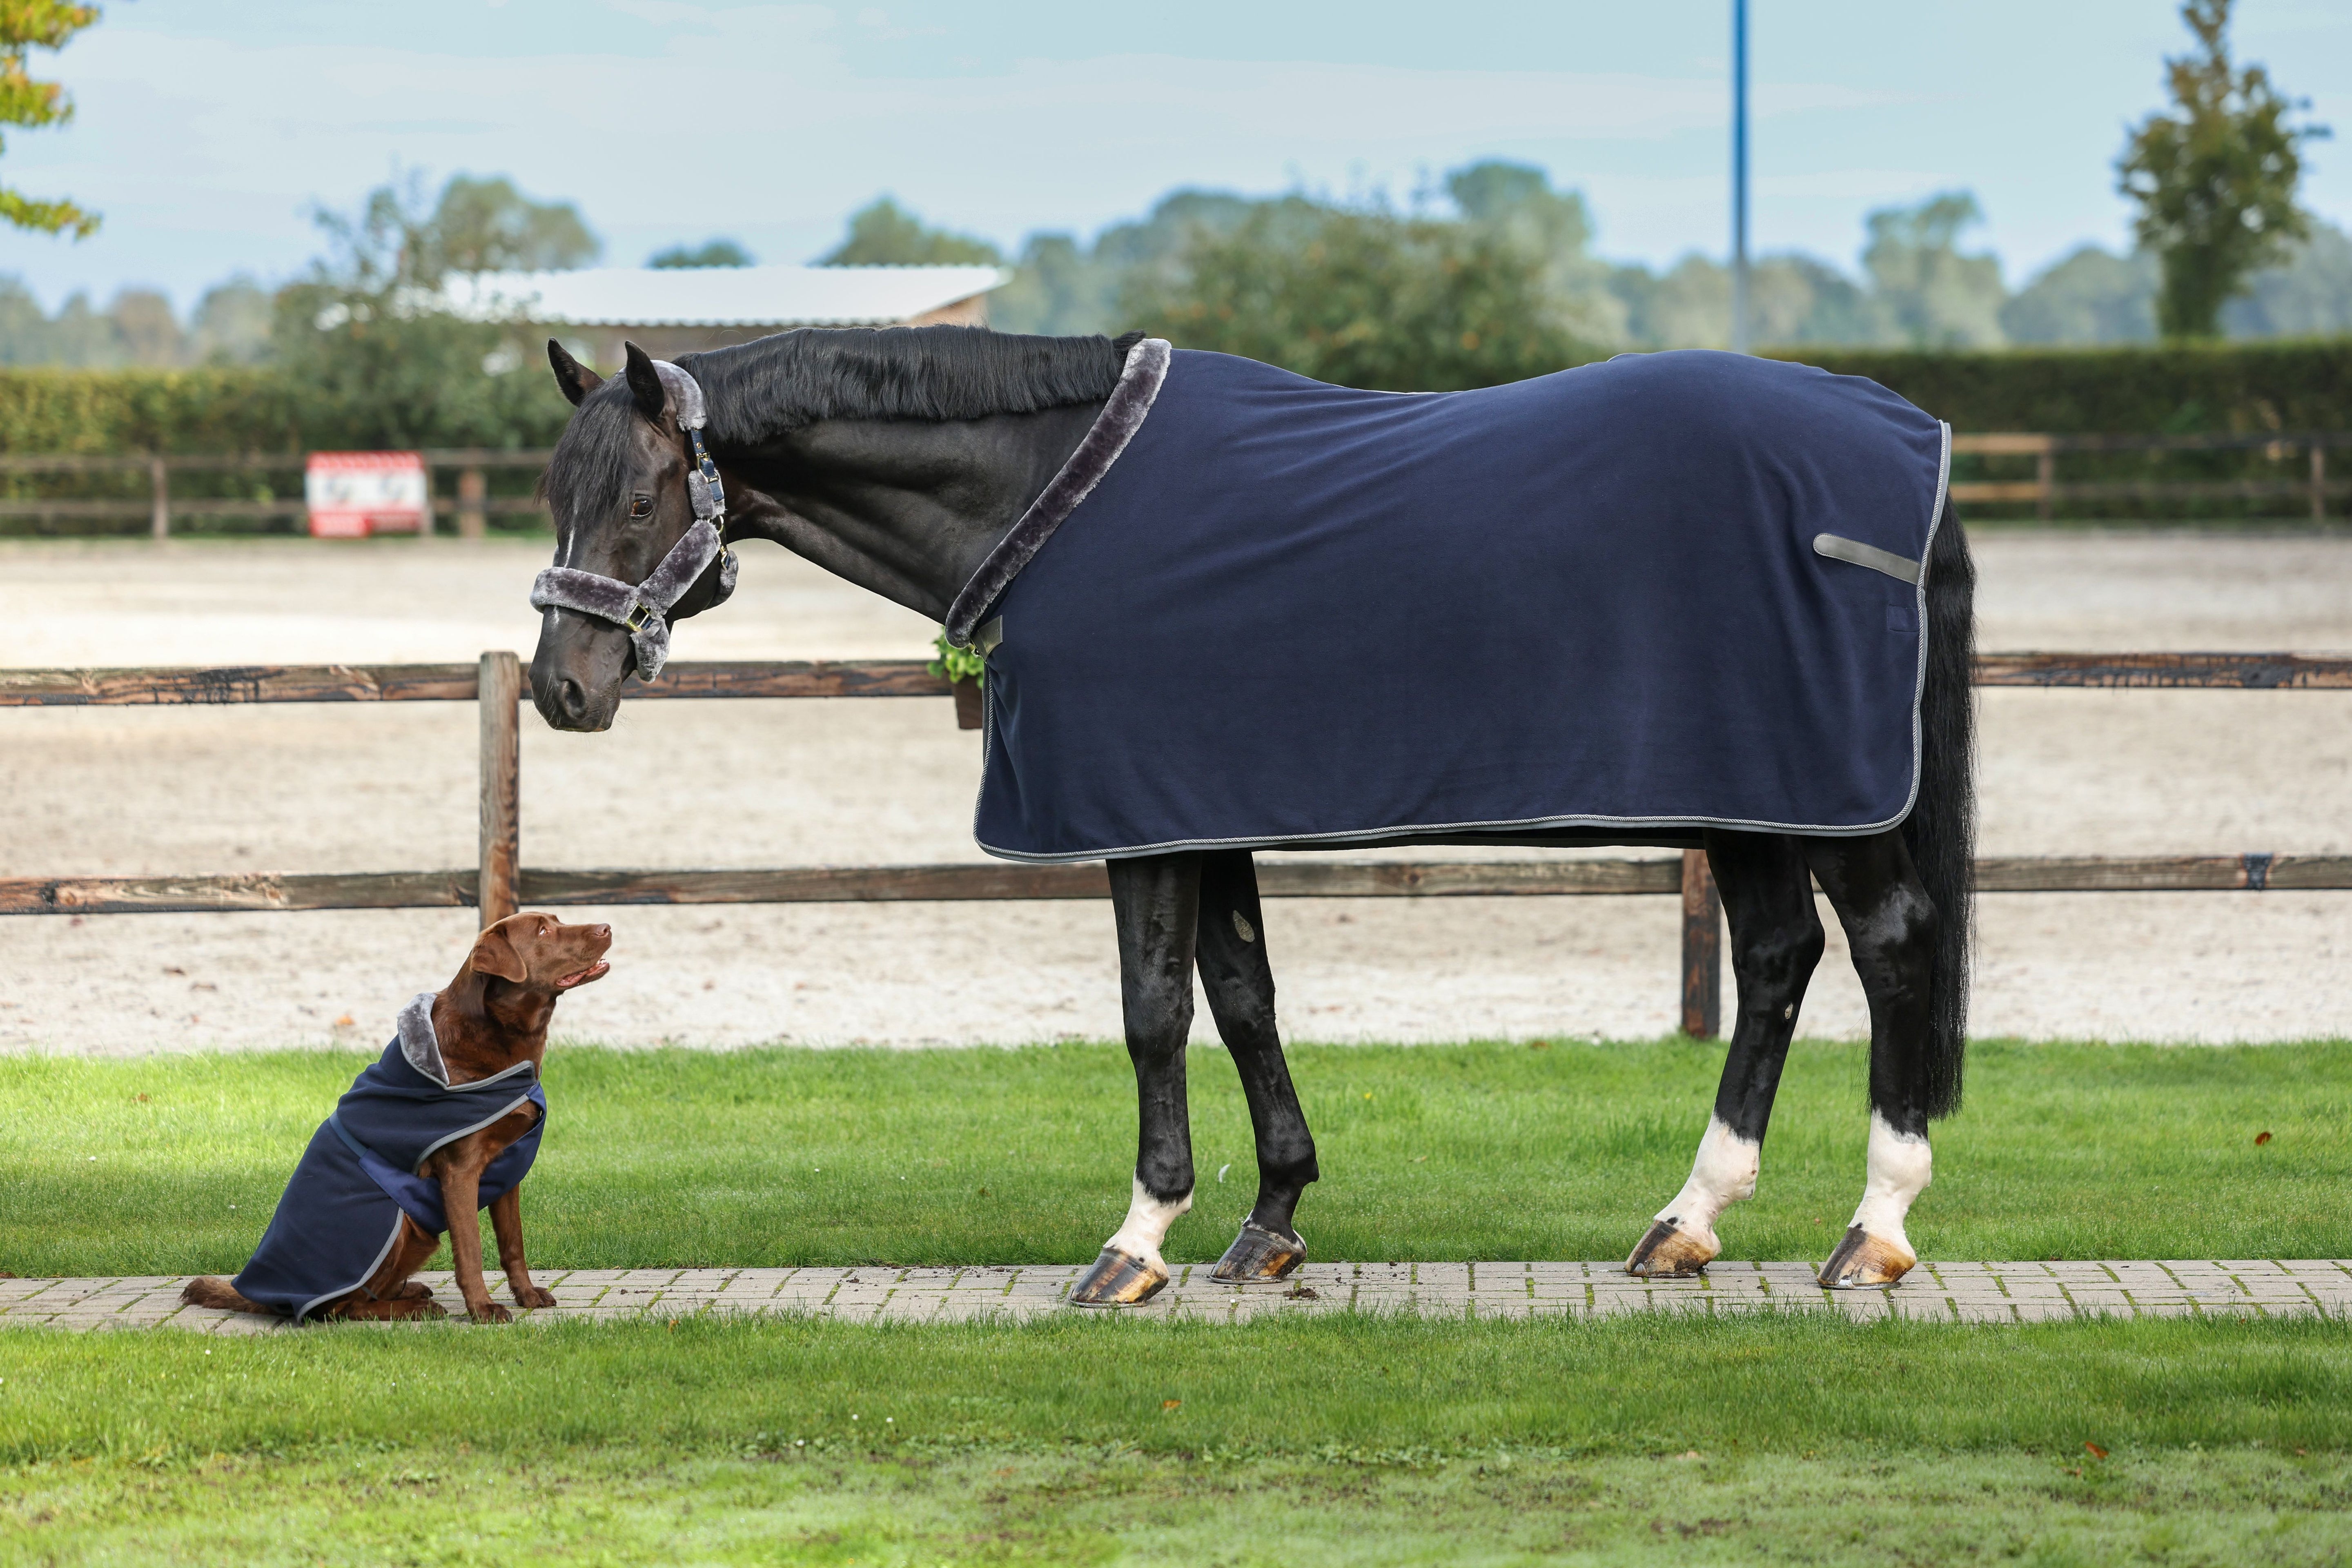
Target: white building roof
(718,296)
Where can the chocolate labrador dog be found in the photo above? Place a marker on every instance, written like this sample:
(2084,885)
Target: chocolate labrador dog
(445,1125)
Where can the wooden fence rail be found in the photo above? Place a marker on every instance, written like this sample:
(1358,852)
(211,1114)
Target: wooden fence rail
(686,678)
(473,504)
(497,683)
(2045,490)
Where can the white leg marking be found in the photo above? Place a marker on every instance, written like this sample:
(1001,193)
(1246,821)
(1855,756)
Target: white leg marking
(1724,1172)
(1900,1168)
(1148,1220)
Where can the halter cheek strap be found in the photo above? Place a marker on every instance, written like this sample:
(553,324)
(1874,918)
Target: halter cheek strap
(643,609)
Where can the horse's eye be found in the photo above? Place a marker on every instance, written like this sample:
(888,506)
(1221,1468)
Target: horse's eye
(641,506)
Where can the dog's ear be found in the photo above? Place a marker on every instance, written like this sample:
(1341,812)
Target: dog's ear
(495,953)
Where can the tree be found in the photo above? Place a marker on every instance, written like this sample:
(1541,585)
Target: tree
(374,358)
(476,226)
(2092,296)
(710,253)
(1934,296)
(1363,297)
(885,235)
(1063,288)
(487,225)
(46,25)
(2216,180)
(230,325)
(1517,204)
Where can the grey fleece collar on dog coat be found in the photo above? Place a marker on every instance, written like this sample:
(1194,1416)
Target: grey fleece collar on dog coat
(643,609)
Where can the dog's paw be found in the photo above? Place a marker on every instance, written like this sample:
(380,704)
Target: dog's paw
(490,1313)
(534,1296)
(414,1290)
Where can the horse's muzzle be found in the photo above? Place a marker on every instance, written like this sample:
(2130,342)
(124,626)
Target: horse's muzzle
(576,673)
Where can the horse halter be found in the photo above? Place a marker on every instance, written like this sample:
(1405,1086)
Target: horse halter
(643,609)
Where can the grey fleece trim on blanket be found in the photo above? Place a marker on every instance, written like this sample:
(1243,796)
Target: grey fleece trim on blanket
(418,1043)
(1122,417)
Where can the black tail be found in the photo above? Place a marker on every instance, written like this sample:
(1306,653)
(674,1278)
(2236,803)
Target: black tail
(1941,831)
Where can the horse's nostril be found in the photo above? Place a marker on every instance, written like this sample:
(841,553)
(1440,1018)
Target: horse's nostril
(572,699)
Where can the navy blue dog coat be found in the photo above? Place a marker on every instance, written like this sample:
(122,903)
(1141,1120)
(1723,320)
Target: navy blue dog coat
(1639,597)
(341,1210)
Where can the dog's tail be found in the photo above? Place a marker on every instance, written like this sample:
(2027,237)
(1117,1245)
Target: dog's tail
(209,1290)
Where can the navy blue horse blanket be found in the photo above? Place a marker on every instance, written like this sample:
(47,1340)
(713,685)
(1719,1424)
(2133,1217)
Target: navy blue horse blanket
(341,1210)
(1636,598)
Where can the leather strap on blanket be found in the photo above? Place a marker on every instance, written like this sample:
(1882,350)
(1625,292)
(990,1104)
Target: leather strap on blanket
(643,609)
(1122,417)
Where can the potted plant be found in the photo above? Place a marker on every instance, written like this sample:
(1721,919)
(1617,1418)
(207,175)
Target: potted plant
(967,669)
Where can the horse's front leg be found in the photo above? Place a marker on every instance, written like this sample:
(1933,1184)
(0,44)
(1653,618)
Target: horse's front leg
(1238,978)
(1776,941)
(1156,901)
(1890,924)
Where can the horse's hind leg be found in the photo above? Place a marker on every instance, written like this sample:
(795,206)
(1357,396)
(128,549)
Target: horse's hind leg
(1776,941)
(1890,924)
(1155,901)
(1238,979)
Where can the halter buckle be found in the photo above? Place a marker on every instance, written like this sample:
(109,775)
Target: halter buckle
(639,613)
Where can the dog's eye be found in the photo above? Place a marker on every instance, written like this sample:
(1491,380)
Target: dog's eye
(641,507)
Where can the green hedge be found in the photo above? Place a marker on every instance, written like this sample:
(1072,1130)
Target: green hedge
(268,412)
(101,413)
(2240,388)
(2243,387)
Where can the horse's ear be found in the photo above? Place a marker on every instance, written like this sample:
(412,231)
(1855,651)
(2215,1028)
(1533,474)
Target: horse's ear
(645,381)
(577,379)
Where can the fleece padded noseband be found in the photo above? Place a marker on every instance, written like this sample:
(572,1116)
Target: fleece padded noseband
(643,609)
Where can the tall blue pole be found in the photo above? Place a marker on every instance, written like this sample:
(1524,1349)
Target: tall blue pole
(1740,176)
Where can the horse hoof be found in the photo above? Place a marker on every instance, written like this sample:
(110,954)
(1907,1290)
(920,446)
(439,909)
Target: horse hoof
(1668,1252)
(1258,1253)
(1118,1280)
(1863,1260)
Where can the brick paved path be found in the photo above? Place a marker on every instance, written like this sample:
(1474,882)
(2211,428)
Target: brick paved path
(1943,1292)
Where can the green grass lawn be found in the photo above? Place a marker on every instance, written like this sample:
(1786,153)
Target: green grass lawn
(170,1165)
(1335,1440)
(1098,1441)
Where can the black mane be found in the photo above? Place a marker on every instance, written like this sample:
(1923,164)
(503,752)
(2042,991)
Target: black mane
(764,389)
(760,390)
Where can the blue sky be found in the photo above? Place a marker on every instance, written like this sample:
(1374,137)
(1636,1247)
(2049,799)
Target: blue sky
(208,127)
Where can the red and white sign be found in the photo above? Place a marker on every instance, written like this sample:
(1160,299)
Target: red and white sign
(354,494)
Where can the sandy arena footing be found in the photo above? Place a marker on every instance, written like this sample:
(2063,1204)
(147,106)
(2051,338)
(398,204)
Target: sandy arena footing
(1933,1292)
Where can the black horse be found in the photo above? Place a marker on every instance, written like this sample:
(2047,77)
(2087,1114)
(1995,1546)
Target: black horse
(901,459)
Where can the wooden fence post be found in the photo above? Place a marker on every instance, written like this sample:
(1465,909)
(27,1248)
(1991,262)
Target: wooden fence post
(472,516)
(2318,481)
(1702,948)
(2045,480)
(499,699)
(159,479)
